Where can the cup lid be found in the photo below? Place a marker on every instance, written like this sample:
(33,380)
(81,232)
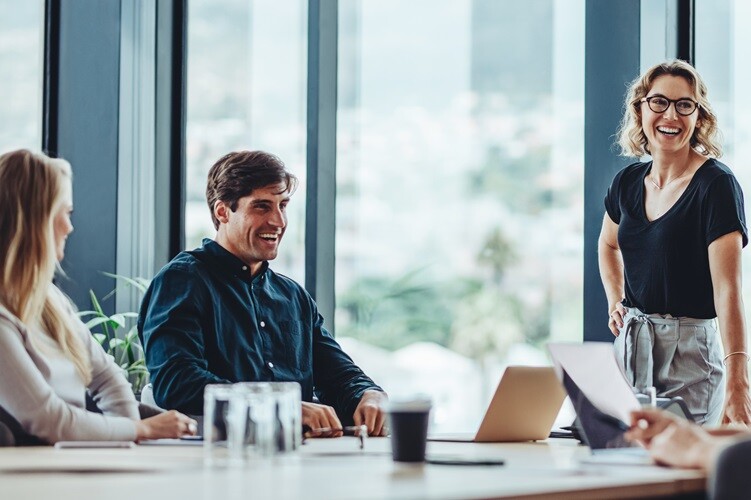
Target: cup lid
(419,402)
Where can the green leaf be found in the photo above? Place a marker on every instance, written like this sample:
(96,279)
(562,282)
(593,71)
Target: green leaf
(144,282)
(81,314)
(114,343)
(118,319)
(96,322)
(95,303)
(131,354)
(139,284)
(132,334)
(98,309)
(125,347)
(137,369)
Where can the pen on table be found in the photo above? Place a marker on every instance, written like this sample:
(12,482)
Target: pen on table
(349,430)
(360,431)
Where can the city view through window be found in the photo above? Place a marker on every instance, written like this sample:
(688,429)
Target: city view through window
(722,42)
(460,202)
(21,29)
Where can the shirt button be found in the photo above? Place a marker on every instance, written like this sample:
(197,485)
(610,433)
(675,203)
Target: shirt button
(263,324)
(270,364)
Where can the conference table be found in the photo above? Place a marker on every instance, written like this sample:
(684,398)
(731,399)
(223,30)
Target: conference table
(333,469)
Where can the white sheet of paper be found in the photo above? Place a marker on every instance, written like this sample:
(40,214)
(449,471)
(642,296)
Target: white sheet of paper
(593,367)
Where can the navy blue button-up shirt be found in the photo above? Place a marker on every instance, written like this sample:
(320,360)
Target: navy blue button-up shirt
(206,320)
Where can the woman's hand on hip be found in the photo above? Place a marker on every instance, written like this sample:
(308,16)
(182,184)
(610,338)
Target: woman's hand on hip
(615,318)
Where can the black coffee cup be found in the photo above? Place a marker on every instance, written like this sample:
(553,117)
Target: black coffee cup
(408,422)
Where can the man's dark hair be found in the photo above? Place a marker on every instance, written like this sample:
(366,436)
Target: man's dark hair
(237,174)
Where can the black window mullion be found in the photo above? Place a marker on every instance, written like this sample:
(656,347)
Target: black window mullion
(320,207)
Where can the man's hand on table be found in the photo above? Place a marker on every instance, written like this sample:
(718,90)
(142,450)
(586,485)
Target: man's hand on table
(317,416)
(370,412)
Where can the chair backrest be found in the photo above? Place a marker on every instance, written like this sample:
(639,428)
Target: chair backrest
(6,436)
(147,410)
(731,479)
(147,395)
(12,433)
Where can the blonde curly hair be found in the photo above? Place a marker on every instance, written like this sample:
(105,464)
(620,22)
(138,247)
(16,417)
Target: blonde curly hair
(631,137)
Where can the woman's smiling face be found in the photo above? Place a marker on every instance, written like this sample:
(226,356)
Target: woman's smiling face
(669,131)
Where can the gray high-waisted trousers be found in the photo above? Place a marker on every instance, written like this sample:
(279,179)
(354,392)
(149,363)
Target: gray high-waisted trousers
(678,356)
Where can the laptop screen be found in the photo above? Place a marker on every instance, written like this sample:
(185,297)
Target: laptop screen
(598,429)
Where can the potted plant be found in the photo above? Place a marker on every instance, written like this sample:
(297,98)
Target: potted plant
(118,335)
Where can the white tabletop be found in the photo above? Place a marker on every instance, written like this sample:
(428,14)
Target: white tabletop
(330,469)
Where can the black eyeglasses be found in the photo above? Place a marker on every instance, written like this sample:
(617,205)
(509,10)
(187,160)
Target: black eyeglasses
(660,104)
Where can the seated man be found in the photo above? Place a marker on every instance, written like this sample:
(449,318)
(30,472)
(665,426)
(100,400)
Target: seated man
(218,314)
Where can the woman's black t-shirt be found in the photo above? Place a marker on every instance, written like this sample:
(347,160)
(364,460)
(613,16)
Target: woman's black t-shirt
(666,260)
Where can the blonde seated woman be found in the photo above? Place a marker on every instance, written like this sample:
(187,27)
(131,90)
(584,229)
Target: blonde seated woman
(48,357)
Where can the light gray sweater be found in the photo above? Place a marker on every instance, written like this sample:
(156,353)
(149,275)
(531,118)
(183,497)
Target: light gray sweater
(40,387)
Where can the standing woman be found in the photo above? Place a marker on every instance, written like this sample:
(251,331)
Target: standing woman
(670,250)
(48,357)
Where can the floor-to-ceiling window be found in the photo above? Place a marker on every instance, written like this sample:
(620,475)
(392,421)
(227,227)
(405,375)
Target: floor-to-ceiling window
(459,191)
(21,38)
(723,42)
(246,86)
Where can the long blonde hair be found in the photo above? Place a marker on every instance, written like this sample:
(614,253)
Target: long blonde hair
(32,186)
(631,137)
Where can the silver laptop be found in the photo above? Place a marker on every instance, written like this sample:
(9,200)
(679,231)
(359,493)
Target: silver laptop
(523,408)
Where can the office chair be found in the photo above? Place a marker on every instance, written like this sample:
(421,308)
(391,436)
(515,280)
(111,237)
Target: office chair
(147,395)
(731,479)
(12,434)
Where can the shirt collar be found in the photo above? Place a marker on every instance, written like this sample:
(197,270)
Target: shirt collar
(230,263)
